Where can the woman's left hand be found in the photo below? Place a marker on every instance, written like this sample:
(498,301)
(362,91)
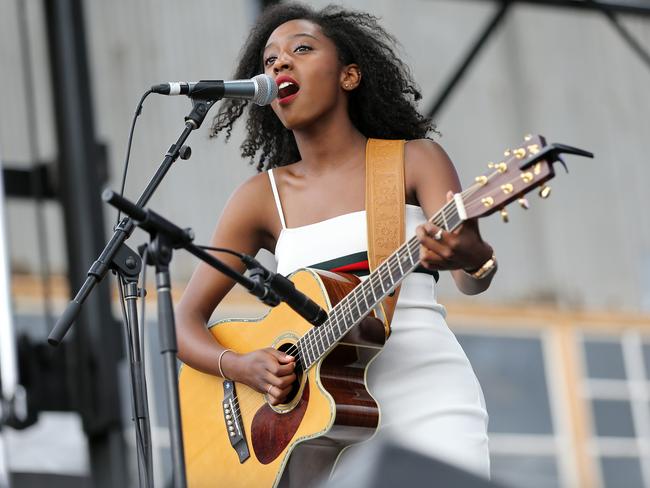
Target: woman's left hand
(462,248)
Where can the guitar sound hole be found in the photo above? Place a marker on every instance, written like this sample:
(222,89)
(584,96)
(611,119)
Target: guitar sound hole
(296,389)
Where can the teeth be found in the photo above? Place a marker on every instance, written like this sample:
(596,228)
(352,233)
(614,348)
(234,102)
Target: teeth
(284,84)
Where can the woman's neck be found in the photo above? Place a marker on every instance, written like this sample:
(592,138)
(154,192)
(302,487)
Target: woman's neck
(329,145)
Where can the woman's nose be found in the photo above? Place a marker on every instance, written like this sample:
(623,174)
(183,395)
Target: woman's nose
(282,62)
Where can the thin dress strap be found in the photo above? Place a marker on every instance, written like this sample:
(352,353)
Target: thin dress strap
(276,195)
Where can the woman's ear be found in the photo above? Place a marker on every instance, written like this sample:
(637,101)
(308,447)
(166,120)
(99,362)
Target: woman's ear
(350,77)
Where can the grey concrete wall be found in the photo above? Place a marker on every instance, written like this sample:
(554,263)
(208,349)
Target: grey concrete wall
(564,74)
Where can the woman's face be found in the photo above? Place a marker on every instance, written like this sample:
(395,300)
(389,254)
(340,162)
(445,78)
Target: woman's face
(304,63)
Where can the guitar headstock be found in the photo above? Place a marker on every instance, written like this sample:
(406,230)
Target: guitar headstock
(523,169)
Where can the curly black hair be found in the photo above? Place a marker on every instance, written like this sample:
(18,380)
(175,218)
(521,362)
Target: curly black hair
(382,106)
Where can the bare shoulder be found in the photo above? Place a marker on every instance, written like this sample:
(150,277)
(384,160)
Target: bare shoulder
(249,209)
(251,195)
(429,172)
(256,187)
(425,154)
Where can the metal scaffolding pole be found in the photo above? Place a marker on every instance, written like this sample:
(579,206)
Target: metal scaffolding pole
(97,342)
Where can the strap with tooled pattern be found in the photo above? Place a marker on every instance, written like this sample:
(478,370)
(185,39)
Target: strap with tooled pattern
(385,207)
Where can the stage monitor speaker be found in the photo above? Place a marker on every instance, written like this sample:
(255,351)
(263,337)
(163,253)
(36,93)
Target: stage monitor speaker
(387,465)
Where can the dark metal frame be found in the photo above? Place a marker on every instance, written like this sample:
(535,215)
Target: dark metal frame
(608,8)
(637,7)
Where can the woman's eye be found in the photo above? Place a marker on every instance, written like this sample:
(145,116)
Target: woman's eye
(269,60)
(303,48)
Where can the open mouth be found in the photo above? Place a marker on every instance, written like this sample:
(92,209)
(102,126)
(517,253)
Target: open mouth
(286,88)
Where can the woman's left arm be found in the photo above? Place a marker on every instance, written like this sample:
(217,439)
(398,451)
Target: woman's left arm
(431,180)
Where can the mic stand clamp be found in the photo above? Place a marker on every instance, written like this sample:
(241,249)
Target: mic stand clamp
(278,288)
(260,276)
(200,107)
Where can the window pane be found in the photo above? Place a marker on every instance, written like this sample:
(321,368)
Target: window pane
(613,418)
(646,360)
(511,372)
(528,471)
(604,359)
(619,472)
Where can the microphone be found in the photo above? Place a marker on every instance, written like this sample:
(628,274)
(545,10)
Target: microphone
(278,288)
(260,89)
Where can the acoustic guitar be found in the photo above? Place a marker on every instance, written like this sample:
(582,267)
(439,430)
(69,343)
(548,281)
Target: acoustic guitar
(234,437)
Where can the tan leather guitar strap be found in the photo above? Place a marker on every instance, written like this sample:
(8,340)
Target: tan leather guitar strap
(385,208)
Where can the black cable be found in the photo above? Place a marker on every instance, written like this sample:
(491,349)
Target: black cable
(143,294)
(138,111)
(129,344)
(140,444)
(222,249)
(143,349)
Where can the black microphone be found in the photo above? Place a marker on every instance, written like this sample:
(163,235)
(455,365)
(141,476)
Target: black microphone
(260,89)
(283,289)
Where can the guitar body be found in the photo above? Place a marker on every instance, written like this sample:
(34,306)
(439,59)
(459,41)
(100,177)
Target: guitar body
(330,404)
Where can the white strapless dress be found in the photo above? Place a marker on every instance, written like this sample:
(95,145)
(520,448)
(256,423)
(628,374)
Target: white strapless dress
(429,396)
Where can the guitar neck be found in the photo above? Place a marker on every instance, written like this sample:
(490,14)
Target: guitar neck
(526,167)
(368,294)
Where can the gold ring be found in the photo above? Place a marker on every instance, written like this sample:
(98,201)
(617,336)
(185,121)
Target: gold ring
(268,390)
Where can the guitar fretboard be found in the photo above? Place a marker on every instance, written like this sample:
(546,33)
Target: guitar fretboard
(369,293)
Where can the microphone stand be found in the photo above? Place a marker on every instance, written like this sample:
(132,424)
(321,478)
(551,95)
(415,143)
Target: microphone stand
(165,237)
(125,228)
(118,257)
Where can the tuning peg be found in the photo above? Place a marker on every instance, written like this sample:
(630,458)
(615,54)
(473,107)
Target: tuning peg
(504,215)
(491,165)
(528,137)
(524,203)
(487,201)
(545,191)
(520,153)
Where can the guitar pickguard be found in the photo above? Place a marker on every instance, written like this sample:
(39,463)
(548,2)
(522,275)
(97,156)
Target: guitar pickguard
(272,432)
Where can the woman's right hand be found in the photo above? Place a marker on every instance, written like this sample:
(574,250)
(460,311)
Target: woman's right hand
(267,371)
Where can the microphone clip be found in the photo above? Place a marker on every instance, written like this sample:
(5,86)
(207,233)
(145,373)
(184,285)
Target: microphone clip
(274,288)
(262,277)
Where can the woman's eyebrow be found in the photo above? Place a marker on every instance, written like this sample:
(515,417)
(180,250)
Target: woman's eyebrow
(301,34)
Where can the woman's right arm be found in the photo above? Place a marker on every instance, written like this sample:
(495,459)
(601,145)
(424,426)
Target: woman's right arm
(244,226)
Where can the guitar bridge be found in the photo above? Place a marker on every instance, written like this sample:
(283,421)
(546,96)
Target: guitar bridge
(233,420)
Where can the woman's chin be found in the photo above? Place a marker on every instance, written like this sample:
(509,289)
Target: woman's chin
(294,123)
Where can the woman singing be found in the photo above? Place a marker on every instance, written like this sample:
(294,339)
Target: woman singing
(340,83)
